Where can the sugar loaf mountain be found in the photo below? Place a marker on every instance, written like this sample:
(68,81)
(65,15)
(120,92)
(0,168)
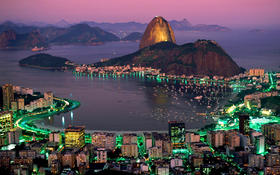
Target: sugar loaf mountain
(158,49)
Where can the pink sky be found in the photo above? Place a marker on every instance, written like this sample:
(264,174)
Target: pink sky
(223,12)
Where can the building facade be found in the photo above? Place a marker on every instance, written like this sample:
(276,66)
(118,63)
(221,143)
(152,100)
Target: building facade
(74,137)
(6,122)
(177,134)
(8,96)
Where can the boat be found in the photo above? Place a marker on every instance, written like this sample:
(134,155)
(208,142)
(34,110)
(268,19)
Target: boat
(198,97)
(36,49)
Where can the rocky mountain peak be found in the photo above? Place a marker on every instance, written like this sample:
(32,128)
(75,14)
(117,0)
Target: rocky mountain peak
(158,30)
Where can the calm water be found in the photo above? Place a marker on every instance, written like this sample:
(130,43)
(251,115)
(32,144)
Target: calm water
(129,104)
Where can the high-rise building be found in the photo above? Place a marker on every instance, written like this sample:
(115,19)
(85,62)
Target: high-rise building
(101,155)
(192,137)
(55,167)
(14,106)
(20,103)
(129,138)
(176,163)
(148,140)
(55,137)
(272,132)
(130,150)
(48,96)
(260,144)
(13,137)
(110,141)
(166,148)
(256,161)
(216,138)
(234,141)
(99,139)
(244,141)
(155,152)
(1,98)
(244,127)
(82,158)
(6,122)
(74,137)
(68,159)
(3,140)
(177,134)
(256,72)
(8,96)
(272,159)
(54,156)
(104,140)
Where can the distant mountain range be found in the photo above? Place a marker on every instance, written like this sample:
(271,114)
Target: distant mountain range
(183,25)
(204,57)
(134,36)
(128,27)
(11,40)
(86,33)
(25,37)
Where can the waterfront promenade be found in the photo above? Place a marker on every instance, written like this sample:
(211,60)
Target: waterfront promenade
(26,121)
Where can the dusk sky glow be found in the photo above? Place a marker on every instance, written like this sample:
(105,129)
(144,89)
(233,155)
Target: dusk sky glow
(232,13)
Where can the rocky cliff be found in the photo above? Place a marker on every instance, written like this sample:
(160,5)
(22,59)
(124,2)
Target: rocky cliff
(204,57)
(158,30)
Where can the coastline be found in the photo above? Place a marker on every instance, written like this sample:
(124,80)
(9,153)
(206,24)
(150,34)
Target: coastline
(31,124)
(40,67)
(26,122)
(118,132)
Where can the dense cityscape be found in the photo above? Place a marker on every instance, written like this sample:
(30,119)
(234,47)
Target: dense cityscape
(121,87)
(243,140)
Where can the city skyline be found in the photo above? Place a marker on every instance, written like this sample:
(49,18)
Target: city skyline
(250,13)
(140,87)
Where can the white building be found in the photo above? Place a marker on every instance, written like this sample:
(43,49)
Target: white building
(176,163)
(101,155)
(110,142)
(55,137)
(192,137)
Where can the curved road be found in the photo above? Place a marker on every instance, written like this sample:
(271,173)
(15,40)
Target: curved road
(25,120)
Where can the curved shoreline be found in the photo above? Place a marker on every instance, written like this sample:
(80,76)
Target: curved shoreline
(90,131)
(29,123)
(25,122)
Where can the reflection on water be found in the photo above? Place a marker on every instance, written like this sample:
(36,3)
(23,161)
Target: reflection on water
(149,105)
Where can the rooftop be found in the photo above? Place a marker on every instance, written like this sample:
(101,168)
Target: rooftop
(74,129)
